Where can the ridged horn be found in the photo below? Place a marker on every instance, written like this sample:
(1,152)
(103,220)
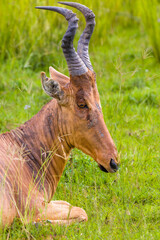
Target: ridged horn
(75,64)
(83,44)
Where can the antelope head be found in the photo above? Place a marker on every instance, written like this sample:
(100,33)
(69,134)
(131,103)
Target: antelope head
(80,115)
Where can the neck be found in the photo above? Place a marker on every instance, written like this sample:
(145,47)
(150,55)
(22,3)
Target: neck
(46,146)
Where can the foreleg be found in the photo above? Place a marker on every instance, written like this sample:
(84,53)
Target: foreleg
(61,212)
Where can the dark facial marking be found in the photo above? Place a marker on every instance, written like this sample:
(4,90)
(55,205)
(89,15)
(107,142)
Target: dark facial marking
(80,97)
(91,119)
(98,107)
(102,135)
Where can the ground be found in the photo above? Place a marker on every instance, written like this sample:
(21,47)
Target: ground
(124,205)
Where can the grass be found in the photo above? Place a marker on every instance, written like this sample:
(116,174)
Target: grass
(151,19)
(125,205)
(30,43)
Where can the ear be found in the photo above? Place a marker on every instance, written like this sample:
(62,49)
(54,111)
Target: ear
(57,76)
(52,87)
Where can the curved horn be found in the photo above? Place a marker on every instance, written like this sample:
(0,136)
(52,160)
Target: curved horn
(75,64)
(83,43)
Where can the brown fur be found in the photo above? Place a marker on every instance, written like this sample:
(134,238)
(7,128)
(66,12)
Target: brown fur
(33,156)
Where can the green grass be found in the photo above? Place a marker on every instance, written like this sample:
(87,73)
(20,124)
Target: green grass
(27,33)
(125,205)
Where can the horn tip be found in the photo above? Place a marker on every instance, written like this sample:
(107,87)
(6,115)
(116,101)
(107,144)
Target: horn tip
(39,7)
(45,7)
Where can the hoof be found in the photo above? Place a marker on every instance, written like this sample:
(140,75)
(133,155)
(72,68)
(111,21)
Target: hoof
(78,214)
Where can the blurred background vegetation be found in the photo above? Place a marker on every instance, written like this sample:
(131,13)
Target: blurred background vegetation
(33,36)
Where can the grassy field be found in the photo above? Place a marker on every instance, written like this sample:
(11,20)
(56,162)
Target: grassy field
(125,205)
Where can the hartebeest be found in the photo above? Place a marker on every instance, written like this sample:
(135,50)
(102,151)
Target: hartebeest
(33,156)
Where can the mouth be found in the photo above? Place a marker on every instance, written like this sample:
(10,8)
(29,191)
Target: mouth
(113,167)
(102,168)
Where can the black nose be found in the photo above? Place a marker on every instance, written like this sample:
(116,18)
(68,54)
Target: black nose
(113,165)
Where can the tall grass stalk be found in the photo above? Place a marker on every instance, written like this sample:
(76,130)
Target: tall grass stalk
(149,13)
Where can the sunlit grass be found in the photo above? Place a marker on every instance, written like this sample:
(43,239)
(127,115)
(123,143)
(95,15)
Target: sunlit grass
(34,36)
(150,12)
(124,205)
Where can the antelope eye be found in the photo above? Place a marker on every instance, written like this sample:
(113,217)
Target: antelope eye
(82,105)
